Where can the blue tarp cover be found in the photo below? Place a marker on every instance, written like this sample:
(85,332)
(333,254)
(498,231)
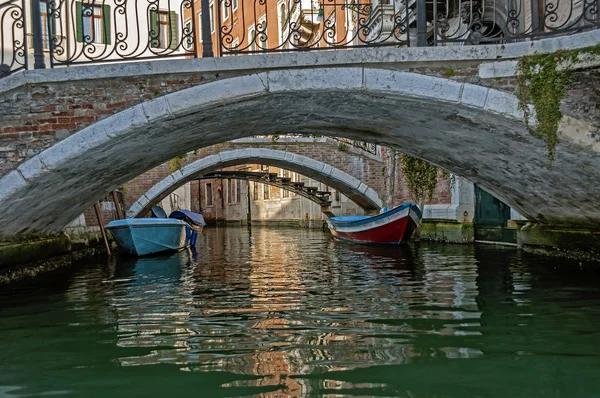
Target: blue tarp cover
(189,217)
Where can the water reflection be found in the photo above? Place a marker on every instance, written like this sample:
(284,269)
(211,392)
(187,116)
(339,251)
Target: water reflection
(291,312)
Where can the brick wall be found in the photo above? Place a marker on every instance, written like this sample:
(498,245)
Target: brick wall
(396,191)
(35,116)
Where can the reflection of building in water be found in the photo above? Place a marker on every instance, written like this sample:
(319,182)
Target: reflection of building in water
(274,306)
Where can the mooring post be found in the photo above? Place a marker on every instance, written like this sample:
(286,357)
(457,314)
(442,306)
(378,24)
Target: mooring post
(102,230)
(117,206)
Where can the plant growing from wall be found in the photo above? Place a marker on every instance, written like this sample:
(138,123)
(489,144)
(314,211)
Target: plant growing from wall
(177,162)
(449,71)
(421,179)
(542,81)
(420,176)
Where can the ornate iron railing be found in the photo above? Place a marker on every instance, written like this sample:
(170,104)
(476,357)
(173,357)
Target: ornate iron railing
(362,145)
(13,46)
(80,32)
(254,26)
(311,25)
(69,32)
(500,21)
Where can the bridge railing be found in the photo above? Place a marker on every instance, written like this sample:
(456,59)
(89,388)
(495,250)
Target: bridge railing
(51,33)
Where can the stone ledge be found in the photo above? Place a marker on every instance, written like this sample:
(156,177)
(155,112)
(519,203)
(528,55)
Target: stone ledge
(362,56)
(451,231)
(16,253)
(561,241)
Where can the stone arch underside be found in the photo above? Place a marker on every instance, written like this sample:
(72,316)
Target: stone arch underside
(470,130)
(348,185)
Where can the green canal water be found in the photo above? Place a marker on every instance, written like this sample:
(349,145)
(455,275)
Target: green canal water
(288,312)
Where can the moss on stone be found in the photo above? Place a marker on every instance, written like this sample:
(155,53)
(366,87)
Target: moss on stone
(542,81)
(14,253)
(447,231)
(579,243)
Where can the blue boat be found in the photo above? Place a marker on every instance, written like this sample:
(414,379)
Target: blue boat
(143,236)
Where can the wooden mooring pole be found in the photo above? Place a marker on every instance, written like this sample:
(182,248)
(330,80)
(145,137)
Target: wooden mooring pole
(102,230)
(117,206)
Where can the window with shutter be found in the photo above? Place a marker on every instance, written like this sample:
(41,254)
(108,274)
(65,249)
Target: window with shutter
(92,23)
(164,29)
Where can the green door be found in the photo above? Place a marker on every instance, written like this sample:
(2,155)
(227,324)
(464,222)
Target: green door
(491,219)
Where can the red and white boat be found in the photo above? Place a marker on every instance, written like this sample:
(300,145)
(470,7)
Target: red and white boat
(390,228)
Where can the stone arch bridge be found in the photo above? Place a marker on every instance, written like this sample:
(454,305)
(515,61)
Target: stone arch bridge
(355,189)
(69,136)
(356,173)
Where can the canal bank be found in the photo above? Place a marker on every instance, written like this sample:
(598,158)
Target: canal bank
(36,255)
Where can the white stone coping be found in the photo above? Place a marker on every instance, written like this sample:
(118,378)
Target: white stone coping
(371,56)
(454,212)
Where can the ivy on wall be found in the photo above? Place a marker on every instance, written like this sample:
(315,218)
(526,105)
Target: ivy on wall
(542,81)
(420,175)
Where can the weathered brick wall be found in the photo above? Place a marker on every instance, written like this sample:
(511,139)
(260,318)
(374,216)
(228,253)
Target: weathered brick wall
(396,191)
(365,168)
(35,116)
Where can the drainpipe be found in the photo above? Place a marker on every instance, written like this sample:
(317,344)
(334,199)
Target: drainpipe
(207,46)
(38,45)
(421,23)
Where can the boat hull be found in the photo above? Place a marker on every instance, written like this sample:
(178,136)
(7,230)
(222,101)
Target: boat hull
(144,236)
(391,228)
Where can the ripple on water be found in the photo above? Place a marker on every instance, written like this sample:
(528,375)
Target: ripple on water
(287,312)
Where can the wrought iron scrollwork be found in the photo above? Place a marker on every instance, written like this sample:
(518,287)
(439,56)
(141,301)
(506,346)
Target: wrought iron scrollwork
(13,39)
(120,30)
(89,31)
(311,25)
(499,21)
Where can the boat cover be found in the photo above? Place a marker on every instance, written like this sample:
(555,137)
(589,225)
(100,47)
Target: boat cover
(158,212)
(194,219)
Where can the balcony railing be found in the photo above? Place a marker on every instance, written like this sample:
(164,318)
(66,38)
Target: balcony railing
(51,33)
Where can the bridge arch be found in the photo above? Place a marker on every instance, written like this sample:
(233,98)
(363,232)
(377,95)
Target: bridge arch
(348,185)
(473,131)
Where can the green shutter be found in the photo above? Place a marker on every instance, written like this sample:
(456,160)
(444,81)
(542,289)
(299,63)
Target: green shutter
(106,24)
(79,21)
(173,36)
(51,29)
(153,29)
